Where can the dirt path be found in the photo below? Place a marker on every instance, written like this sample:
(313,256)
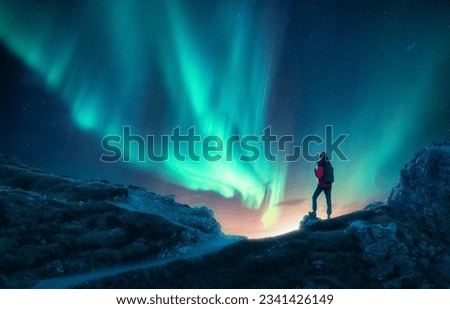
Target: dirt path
(190,252)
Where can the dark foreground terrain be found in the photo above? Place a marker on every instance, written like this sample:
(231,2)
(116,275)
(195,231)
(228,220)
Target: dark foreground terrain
(51,226)
(401,243)
(54,226)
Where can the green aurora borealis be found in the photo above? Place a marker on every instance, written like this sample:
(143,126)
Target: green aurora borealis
(379,72)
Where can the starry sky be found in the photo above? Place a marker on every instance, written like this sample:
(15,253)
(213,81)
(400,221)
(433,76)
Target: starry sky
(73,72)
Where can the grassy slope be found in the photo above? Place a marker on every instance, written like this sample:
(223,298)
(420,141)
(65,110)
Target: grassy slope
(50,225)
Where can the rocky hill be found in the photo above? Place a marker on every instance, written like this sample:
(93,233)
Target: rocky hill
(54,226)
(51,226)
(401,243)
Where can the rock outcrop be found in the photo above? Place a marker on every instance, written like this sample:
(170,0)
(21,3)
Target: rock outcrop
(422,195)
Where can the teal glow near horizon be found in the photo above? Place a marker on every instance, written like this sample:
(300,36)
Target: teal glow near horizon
(376,71)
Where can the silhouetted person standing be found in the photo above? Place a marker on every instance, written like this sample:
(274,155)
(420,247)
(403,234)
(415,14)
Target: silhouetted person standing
(325,176)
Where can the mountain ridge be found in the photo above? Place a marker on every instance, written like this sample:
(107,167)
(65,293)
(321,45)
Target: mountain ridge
(399,243)
(386,245)
(52,226)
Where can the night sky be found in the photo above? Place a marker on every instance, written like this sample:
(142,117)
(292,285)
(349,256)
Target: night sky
(73,72)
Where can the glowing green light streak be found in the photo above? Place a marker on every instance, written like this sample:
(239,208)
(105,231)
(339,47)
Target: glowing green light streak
(100,63)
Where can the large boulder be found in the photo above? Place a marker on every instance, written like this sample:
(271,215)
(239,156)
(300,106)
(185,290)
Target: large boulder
(422,195)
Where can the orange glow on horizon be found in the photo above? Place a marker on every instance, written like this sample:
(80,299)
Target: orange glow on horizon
(236,219)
